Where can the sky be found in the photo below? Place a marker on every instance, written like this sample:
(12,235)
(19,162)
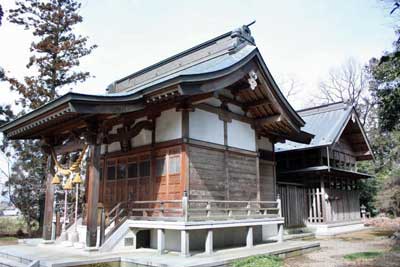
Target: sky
(299,40)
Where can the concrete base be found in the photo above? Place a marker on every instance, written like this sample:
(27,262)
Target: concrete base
(73,237)
(63,236)
(336,228)
(60,256)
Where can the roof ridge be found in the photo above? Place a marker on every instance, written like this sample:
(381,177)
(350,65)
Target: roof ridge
(324,108)
(229,42)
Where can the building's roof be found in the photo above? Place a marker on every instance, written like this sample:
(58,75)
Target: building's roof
(208,68)
(327,123)
(326,169)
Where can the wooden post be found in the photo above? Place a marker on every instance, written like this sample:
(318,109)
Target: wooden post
(185,251)
(58,224)
(102,226)
(209,242)
(93,195)
(323,200)
(49,201)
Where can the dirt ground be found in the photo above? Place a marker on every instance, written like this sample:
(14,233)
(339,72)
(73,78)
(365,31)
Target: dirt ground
(333,250)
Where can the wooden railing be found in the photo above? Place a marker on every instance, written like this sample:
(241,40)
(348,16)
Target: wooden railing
(185,210)
(228,209)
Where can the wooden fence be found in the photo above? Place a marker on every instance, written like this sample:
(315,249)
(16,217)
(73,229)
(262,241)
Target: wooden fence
(343,205)
(294,206)
(315,205)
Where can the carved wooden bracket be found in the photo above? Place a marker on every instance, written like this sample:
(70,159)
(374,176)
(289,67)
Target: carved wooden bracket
(126,133)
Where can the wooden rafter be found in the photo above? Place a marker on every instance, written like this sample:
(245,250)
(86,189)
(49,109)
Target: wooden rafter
(269,120)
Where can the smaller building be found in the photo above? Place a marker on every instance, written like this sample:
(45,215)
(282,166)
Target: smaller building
(318,181)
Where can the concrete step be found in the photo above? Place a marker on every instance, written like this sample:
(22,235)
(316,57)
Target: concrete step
(298,236)
(11,261)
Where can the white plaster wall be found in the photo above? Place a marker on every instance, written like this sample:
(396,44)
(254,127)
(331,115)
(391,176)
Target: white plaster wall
(143,138)
(241,135)
(206,126)
(169,125)
(116,146)
(103,149)
(264,143)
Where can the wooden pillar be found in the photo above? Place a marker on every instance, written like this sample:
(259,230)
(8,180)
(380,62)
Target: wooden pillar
(160,241)
(209,242)
(185,251)
(49,201)
(323,200)
(226,155)
(93,195)
(249,237)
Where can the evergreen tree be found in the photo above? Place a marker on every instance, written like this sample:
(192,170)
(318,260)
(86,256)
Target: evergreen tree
(55,56)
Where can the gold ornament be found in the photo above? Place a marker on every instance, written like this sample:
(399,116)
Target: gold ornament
(56,179)
(77,179)
(68,185)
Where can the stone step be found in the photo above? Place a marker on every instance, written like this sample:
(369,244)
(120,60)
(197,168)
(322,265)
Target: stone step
(11,261)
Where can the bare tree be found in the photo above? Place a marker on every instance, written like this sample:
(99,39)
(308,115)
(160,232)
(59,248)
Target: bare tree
(348,83)
(290,86)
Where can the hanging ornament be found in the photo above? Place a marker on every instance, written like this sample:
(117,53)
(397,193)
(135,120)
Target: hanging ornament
(56,179)
(77,179)
(68,185)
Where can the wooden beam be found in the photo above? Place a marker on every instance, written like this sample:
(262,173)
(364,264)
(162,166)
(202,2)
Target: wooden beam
(71,146)
(229,100)
(223,113)
(268,120)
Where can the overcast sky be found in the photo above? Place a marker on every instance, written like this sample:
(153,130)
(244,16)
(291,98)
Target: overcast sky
(298,39)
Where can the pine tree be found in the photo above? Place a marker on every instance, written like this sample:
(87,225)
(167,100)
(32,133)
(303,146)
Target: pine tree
(56,51)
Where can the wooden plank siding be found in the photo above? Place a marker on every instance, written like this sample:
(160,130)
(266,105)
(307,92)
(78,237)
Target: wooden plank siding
(267,180)
(208,169)
(294,204)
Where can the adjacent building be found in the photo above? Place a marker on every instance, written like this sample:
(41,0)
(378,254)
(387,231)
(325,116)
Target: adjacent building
(318,181)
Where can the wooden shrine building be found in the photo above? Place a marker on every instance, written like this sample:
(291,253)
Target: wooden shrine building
(181,153)
(321,177)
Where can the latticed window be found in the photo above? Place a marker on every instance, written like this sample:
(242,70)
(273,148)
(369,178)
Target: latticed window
(174,164)
(144,168)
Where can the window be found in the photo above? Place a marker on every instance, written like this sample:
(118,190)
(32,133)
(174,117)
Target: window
(132,170)
(161,168)
(110,172)
(174,164)
(144,168)
(121,171)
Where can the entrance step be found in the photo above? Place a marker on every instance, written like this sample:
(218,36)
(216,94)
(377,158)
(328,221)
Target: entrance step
(15,261)
(298,236)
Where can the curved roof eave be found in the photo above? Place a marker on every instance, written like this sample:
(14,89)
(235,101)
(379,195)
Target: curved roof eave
(281,97)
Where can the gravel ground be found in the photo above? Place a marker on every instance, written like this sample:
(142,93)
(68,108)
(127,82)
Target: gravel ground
(334,248)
